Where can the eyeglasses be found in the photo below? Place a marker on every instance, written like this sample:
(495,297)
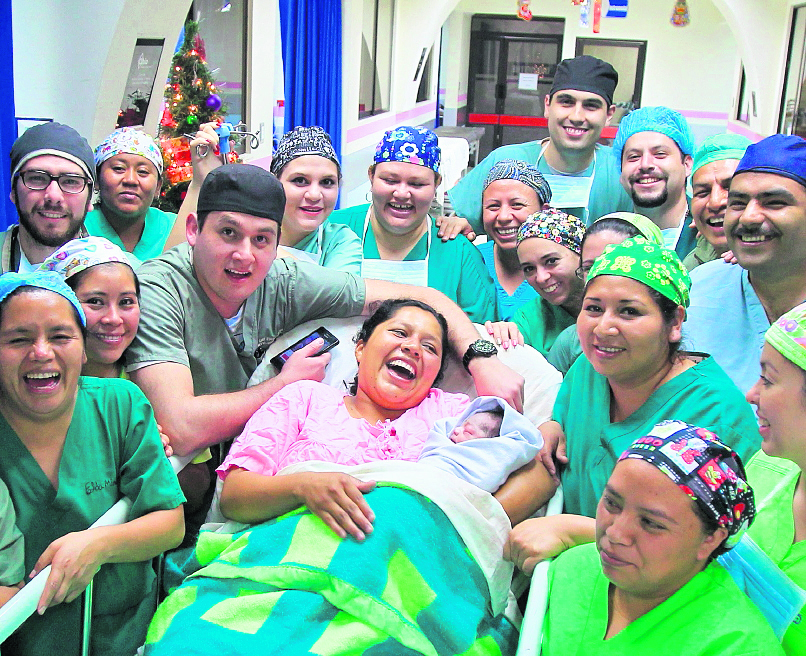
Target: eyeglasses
(583,271)
(69,183)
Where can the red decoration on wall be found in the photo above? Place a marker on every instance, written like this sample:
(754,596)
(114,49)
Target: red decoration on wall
(523,10)
(597,15)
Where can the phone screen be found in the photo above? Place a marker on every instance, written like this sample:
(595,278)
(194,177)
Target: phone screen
(330,341)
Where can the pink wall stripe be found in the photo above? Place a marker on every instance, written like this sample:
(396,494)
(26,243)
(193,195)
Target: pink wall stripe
(388,121)
(740,128)
(717,116)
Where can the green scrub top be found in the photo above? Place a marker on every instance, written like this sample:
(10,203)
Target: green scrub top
(112,449)
(707,616)
(455,268)
(606,194)
(158,226)
(340,247)
(702,395)
(540,323)
(774,529)
(565,350)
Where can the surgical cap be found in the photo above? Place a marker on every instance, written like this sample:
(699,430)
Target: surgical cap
(641,223)
(515,169)
(718,147)
(708,472)
(780,154)
(303,141)
(48,280)
(654,119)
(554,225)
(586,73)
(79,254)
(657,267)
(788,335)
(52,139)
(415,145)
(242,188)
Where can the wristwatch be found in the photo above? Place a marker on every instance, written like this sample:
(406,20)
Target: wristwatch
(481,348)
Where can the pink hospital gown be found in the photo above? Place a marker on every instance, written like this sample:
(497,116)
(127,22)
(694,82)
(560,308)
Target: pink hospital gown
(307,420)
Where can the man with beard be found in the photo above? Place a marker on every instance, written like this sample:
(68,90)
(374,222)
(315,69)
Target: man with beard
(654,147)
(765,225)
(714,164)
(581,173)
(52,176)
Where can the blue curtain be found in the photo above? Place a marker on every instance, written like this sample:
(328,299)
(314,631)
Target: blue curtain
(8,124)
(311,33)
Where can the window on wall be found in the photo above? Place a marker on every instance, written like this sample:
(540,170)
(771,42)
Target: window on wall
(792,119)
(743,105)
(376,57)
(424,91)
(222,26)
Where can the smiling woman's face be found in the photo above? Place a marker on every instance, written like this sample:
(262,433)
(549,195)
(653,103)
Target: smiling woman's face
(400,360)
(401,195)
(650,541)
(41,355)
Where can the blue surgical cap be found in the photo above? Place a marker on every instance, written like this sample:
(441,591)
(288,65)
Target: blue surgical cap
(780,154)
(48,280)
(654,119)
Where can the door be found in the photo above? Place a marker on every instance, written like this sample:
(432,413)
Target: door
(512,65)
(628,58)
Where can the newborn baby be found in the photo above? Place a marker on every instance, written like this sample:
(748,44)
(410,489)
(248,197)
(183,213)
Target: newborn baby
(483,445)
(484,423)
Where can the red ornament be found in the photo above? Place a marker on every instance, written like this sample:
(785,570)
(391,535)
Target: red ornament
(198,46)
(523,10)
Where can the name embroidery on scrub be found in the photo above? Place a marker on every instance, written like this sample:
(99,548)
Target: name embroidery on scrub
(97,486)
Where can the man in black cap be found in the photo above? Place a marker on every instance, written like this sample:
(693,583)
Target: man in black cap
(52,176)
(212,306)
(582,174)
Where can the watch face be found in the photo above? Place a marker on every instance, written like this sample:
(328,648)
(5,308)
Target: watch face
(484,347)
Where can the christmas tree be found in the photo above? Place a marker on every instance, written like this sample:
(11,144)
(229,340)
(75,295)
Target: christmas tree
(190,100)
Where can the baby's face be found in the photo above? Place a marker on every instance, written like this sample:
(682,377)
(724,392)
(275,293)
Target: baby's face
(476,426)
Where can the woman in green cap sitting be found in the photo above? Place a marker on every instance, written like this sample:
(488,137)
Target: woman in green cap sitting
(634,374)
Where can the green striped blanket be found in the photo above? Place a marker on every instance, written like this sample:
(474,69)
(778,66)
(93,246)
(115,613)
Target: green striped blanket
(291,586)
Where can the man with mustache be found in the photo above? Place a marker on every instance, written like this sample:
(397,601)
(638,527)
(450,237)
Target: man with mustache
(714,164)
(52,176)
(581,173)
(765,225)
(654,147)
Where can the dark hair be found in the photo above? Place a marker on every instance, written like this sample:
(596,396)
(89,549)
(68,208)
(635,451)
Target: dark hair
(709,527)
(26,289)
(74,281)
(668,310)
(388,309)
(619,226)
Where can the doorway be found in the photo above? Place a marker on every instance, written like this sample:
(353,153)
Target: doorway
(628,58)
(511,69)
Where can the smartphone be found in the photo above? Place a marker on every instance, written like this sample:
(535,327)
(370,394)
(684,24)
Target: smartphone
(330,341)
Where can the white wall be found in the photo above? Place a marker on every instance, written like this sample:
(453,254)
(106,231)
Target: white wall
(693,69)
(71,57)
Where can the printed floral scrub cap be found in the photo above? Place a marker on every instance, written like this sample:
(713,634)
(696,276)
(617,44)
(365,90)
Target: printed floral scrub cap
(657,267)
(643,224)
(709,472)
(515,169)
(79,254)
(129,141)
(554,225)
(788,335)
(415,145)
(303,141)
(49,280)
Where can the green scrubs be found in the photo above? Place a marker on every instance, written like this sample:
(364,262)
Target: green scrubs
(112,449)
(774,529)
(565,350)
(702,395)
(12,555)
(340,248)
(606,194)
(455,267)
(158,226)
(540,323)
(707,616)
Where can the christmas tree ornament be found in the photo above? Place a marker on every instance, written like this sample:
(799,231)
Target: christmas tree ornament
(213,102)
(680,17)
